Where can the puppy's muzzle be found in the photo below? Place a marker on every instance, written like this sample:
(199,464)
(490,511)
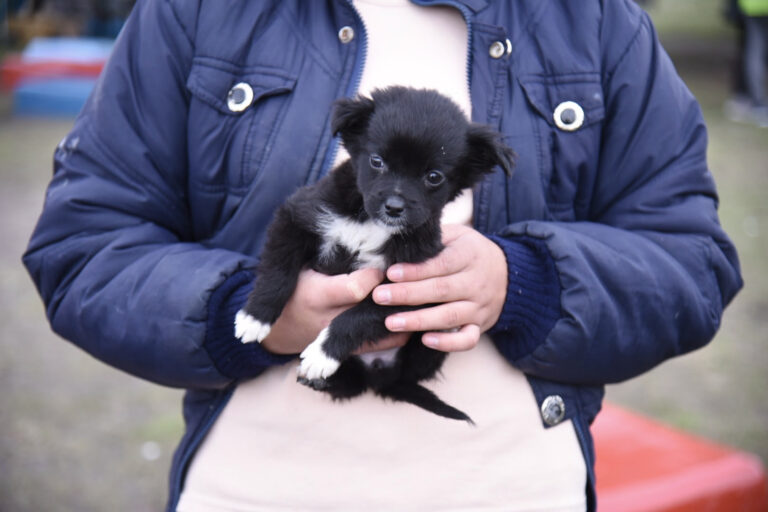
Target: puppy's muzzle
(394,207)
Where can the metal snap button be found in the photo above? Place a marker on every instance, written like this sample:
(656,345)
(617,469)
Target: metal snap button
(497,50)
(346,34)
(500,48)
(568,116)
(553,410)
(240,97)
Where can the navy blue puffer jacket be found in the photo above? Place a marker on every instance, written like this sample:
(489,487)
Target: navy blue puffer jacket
(161,193)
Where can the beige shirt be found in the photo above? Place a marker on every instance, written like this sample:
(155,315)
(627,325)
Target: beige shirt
(279,445)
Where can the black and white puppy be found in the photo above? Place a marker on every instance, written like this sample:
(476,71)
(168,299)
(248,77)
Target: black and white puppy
(411,152)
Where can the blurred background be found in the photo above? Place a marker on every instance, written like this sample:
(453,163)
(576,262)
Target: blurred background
(78,435)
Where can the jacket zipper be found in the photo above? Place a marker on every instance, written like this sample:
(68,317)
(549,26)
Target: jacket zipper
(352,87)
(202,429)
(465,12)
(590,464)
(480,221)
(362,53)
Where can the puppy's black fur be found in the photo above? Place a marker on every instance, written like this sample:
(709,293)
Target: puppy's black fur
(411,152)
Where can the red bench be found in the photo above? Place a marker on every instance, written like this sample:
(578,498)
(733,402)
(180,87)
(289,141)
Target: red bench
(645,466)
(54,76)
(14,69)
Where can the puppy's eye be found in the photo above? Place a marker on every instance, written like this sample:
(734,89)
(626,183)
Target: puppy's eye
(377,162)
(435,178)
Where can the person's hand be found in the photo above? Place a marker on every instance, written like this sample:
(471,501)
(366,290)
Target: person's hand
(318,299)
(468,281)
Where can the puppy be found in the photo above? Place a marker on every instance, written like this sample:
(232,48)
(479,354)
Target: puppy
(411,152)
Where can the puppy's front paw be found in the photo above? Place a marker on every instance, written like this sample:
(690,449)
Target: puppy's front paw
(248,329)
(315,363)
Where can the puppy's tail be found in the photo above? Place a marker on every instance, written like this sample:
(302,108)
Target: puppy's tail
(422,397)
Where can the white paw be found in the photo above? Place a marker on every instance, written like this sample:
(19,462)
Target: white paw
(315,363)
(249,329)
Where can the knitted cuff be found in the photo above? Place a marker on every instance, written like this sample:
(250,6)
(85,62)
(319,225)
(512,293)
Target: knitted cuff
(234,359)
(533,297)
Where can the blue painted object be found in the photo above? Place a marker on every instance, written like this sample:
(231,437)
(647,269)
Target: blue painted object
(58,97)
(69,49)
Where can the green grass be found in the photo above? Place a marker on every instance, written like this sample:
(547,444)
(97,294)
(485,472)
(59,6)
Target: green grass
(699,18)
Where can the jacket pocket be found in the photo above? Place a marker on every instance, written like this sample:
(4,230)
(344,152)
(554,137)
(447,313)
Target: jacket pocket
(569,112)
(229,141)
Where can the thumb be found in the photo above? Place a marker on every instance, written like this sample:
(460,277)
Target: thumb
(360,283)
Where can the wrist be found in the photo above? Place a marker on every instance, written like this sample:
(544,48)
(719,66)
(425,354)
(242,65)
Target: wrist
(532,301)
(500,286)
(231,357)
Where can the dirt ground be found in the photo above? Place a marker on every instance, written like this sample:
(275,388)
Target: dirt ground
(77,435)
(74,434)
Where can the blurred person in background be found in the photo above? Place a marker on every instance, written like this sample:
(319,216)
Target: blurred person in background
(737,105)
(601,257)
(749,102)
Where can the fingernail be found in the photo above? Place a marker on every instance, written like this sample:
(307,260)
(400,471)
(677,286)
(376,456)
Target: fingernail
(431,341)
(395,323)
(395,272)
(382,296)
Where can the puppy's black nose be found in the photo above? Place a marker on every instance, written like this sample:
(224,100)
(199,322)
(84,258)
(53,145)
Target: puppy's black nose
(394,206)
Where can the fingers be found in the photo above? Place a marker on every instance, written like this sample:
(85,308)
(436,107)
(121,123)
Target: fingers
(343,289)
(450,261)
(440,279)
(465,338)
(469,279)
(317,299)
(453,258)
(361,282)
(444,316)
(417,293)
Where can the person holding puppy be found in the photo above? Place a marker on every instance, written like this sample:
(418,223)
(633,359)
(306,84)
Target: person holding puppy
(600,257)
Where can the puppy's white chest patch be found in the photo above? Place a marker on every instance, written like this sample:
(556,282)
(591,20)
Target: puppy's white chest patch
(363,239)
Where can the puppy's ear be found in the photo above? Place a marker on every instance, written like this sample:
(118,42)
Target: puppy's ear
(350,119)
(485,151)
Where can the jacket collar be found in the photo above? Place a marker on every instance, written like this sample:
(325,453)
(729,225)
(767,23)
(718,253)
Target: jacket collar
(473,5)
